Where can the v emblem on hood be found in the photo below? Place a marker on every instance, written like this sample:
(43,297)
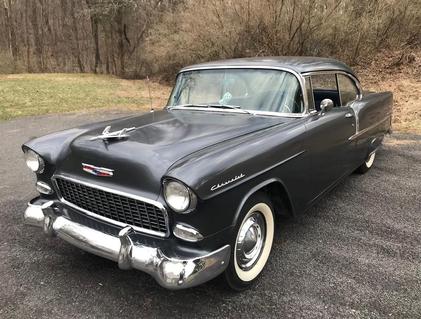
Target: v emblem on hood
(97,171)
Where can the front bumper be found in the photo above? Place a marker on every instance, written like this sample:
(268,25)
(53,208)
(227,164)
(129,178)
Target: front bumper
(169,272)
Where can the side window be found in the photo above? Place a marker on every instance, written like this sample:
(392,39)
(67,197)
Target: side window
(325,87)
(347,89)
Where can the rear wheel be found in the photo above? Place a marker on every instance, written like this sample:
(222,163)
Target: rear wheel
(252,242)
(368,163)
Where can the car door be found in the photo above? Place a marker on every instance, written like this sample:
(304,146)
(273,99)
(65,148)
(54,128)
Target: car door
(329,149)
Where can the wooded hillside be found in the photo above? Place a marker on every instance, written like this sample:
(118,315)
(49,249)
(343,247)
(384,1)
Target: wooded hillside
(134,38)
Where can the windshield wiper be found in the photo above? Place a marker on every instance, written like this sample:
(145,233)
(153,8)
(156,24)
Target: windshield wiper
(215,106)
(223,106)
(228,106)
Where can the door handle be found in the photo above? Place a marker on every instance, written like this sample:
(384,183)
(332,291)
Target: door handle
(348,115)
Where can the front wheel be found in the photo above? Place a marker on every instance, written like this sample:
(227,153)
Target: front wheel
(368,163)
(252,243)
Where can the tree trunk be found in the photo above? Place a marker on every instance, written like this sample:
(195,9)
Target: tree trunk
(27,39)
(11,34)
(37,39)
(95,34)
(107,48)
(120,43)
(76,36)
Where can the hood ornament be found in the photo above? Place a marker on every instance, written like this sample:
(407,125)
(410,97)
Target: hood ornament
(106,134)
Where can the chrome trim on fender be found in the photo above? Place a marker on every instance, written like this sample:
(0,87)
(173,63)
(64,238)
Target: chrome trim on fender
(353,137)
(169,272)
(112,221)
(256,174)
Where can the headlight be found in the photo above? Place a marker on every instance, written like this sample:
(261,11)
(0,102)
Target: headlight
(34,161)
(179,197)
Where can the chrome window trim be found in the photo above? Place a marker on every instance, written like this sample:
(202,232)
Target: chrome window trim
(267,113)
(339,90)
(352,77)
(310,84)
(117,192)
(357,85)
(359,95)
(298,76)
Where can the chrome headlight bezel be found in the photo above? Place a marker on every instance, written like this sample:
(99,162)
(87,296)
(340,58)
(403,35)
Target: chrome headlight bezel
(170,186)
(34,161)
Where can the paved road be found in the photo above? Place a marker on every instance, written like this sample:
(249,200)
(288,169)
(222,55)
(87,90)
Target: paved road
(355,255)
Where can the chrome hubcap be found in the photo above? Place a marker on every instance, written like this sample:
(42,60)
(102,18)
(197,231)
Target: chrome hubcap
(250,241)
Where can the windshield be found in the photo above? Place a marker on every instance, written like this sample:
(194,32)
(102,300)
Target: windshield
(248,89)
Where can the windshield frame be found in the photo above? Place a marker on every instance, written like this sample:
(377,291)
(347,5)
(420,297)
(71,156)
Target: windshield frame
(298,76)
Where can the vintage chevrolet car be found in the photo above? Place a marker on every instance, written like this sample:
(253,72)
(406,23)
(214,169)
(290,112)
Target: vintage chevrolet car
(192,191)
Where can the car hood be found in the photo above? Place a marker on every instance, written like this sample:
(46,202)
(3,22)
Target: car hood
(159,140)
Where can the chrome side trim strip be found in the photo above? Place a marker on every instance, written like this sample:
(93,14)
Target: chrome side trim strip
(110,190)
(277,164)
(353,137)
(256,174)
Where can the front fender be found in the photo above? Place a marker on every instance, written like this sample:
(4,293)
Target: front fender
(221,167)
(221,212)
(257,188)
(53,146)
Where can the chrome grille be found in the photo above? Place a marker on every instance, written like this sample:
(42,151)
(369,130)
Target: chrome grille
(115,208)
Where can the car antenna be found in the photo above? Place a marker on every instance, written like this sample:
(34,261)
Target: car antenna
(149,91)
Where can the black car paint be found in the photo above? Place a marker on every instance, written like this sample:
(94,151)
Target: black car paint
(304,156)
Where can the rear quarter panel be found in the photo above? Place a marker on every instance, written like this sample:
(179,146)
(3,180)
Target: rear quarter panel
(374,108)
(374,114)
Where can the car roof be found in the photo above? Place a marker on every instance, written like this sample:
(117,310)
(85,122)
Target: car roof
(299,64)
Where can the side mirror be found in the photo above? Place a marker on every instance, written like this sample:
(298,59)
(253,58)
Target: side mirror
(326,105)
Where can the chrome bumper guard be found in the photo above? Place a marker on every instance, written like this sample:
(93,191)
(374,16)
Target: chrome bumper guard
(171,273)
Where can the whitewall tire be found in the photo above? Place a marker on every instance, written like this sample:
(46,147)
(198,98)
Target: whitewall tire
(252,243)
(368,163)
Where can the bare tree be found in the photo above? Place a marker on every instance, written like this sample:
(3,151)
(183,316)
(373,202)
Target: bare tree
(132,38)
(10,30)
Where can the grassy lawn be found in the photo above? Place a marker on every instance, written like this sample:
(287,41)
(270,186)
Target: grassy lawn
(34,94)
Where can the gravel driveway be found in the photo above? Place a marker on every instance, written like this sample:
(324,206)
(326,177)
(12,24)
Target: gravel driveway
(357,254)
